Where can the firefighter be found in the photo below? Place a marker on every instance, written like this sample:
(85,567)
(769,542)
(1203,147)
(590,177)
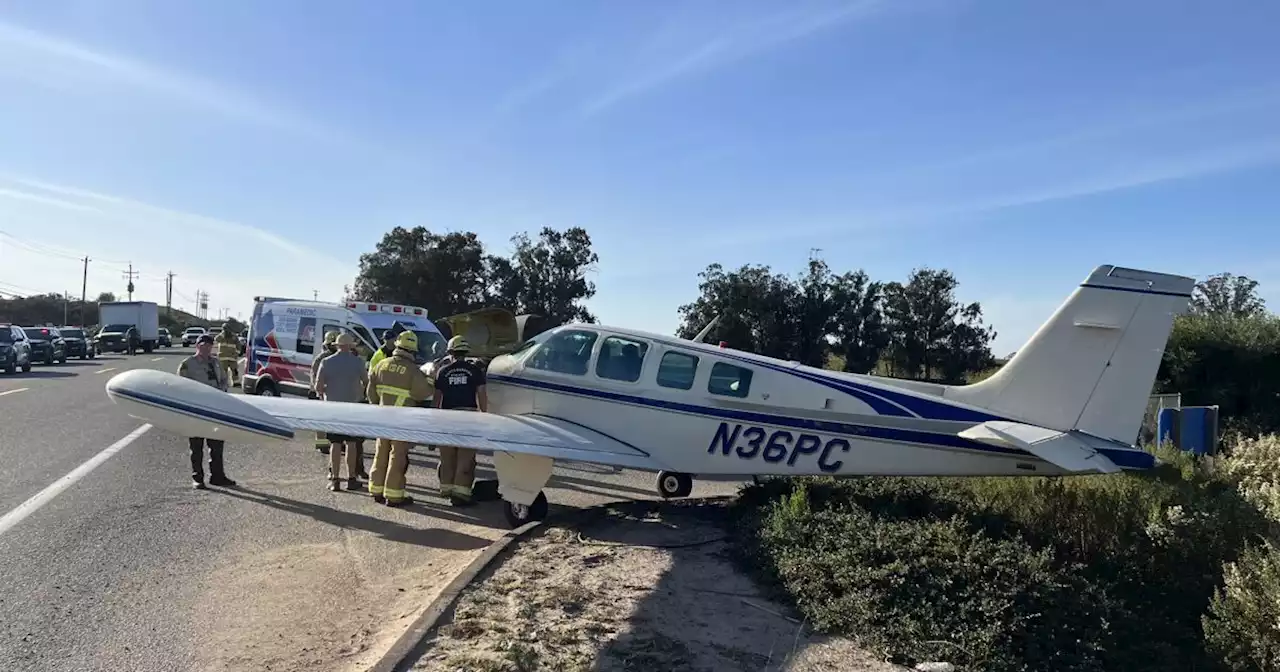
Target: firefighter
(460,386)
(330,347)
(388,346)
(228,345)
(395,381)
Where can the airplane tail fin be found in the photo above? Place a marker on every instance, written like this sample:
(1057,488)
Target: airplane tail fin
(1091,367)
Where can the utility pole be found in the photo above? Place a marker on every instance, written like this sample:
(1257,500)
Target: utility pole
(168,293)
(315,295)
(202,304)
(66,301)
(130,275)
(84,287)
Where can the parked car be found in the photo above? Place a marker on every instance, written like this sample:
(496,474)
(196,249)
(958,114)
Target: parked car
(15,349)
(165,340)
(46,345)
(78,343)
(191,334)
(111,338)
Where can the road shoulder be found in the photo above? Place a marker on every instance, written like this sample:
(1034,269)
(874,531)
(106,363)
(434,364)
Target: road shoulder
(637,585)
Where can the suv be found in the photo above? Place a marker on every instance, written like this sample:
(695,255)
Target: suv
(15,349)
(47,344)
(163,338)
(191,334)
(77,343)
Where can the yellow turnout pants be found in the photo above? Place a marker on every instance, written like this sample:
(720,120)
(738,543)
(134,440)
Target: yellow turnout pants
(229,366)
(390,466)
(457,470)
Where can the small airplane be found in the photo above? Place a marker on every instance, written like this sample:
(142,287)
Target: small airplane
(1070,401)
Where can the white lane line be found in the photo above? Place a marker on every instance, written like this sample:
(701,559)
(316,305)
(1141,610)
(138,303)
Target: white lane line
(13,391)
(45,496)
(156,359)
(109,368)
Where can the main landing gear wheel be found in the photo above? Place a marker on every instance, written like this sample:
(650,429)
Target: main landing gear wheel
(674,484)
(518,514)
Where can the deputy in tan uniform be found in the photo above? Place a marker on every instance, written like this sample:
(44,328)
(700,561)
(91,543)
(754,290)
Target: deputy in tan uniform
(228,345)
(395,381)
(202,367)
(330,347)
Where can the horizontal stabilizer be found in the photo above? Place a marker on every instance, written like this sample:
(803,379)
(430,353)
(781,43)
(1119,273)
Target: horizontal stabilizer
(1061,449)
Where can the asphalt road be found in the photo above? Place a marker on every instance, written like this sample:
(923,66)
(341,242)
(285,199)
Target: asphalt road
(129,568)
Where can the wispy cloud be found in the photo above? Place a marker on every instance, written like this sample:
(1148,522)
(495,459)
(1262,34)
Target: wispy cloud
(127,208)
(19,195)
(232,261)
(27,51)
(729,45)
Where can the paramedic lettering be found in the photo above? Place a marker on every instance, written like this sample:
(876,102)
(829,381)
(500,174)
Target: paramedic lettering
(776,445)
(305,312)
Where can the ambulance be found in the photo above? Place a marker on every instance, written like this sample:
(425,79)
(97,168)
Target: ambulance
(285,335)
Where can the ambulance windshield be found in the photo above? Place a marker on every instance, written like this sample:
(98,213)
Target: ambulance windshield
(431,344)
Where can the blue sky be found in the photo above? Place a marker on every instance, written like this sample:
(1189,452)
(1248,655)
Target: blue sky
(258,147)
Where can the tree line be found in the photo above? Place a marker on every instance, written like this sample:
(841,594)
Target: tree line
(915,328)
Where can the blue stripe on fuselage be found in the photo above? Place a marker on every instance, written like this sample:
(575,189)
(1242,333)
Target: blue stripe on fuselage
(1128,459)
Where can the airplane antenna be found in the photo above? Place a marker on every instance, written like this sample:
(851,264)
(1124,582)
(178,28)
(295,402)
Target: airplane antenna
(707,329)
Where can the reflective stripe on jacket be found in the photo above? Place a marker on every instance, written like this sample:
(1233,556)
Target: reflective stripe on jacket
(228,346)
(397,380)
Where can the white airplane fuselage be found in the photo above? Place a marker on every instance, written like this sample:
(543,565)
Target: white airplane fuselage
(793,420)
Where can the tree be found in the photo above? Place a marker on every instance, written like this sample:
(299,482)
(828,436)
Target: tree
(106,297)
(755,307)
(859,334)
(1225,294)
(446,274)
(932,332)
(546,277)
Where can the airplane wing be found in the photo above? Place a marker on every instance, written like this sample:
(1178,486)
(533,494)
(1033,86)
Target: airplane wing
(1065,450)
(190,408)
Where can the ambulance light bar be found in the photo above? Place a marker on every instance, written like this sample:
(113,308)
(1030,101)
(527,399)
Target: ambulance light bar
(386,308)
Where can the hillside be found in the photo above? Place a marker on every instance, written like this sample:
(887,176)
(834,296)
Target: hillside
(53,309)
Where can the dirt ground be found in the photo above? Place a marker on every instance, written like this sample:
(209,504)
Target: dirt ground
(639,587)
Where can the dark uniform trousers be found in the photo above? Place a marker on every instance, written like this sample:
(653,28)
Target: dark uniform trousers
(197,458)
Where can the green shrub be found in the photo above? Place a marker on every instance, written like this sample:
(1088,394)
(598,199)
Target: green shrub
(1075,573)
(1244,616)
(1233,362)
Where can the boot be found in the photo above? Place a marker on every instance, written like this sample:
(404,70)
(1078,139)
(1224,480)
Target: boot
(218,476)
(353,483)
(333,485)
(395,505)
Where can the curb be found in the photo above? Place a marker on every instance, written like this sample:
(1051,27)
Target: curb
(408,647)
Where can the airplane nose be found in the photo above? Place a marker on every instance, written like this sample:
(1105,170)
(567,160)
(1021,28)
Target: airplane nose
(501,364)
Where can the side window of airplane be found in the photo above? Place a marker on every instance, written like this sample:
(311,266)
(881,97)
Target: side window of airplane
(729,380)
(621,359)
(566,352)
(677,370)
